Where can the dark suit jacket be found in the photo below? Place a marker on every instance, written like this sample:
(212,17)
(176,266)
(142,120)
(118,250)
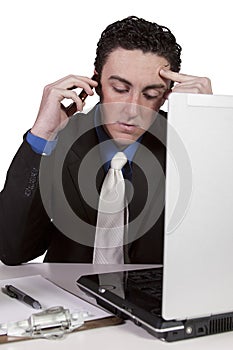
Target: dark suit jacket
(49,202)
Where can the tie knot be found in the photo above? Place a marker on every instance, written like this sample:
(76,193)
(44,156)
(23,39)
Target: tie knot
(118,161)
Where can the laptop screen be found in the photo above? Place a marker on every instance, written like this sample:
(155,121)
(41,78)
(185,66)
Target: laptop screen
(198,257)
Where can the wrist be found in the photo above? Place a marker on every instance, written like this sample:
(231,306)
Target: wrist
(40,145)
(42,133)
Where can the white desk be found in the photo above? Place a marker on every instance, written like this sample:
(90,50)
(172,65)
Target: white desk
(125,336)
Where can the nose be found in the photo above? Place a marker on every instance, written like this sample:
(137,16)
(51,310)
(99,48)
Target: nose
(132,106)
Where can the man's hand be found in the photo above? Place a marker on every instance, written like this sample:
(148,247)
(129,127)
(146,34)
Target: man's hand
(51,117)
(187,83)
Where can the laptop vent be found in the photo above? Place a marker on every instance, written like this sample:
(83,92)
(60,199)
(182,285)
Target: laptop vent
(223,324)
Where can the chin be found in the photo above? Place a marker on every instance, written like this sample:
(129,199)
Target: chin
(123,142)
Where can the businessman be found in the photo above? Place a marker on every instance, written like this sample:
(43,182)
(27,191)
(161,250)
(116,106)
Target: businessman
(53,192)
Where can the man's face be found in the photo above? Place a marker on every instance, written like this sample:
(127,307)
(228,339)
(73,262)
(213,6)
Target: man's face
(132,91)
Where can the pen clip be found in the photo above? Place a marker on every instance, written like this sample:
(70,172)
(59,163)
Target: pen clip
(8,292)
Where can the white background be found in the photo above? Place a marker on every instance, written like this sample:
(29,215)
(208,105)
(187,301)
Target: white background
(42,41)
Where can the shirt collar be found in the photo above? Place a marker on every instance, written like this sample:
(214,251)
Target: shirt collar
(107,147)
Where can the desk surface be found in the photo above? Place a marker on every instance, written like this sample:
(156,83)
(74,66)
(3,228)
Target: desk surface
(127,336)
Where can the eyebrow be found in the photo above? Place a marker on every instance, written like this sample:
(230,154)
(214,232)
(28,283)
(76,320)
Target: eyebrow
(148,87)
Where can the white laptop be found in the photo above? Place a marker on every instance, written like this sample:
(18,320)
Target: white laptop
(192,295)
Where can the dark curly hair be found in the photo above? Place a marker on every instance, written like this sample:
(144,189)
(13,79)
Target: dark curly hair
(136,33)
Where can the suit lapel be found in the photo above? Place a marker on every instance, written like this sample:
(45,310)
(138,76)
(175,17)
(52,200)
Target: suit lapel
(83,166)
(148,181)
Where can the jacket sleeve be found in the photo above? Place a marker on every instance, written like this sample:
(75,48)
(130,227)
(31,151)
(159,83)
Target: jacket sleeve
(25,228)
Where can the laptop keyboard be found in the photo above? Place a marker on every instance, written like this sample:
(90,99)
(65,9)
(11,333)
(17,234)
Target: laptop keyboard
(146,285)
(146,276)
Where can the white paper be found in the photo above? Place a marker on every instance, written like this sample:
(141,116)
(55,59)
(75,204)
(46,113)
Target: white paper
(47,293)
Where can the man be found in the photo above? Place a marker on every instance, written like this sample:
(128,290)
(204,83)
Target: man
(137,63)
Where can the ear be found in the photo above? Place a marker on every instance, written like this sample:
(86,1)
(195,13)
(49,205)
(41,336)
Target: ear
(166,94)
(165,97)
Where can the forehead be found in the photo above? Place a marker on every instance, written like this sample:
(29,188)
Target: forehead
(134,64)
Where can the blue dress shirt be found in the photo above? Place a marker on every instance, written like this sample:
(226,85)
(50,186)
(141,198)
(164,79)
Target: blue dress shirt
(109,149)
(40,145)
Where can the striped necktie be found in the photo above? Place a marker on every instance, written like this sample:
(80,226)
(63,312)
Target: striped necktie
(109,238)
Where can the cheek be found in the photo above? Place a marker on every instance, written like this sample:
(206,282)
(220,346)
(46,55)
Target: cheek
(111,112)
(107,95)
(146,121)
(157,104)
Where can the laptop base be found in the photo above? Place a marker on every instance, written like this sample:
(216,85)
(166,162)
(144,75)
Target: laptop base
(138,299)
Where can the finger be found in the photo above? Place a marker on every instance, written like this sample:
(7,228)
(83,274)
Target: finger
(191,89)
(190,83)
(69,94)
(198,85)
(75,81)
(78,77)
(176,77)
(187,89)
(68,83)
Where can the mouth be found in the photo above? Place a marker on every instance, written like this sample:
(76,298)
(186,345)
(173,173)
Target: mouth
(130,128)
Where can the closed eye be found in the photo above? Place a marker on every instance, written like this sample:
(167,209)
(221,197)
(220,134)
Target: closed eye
(150,97)
(120,90)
